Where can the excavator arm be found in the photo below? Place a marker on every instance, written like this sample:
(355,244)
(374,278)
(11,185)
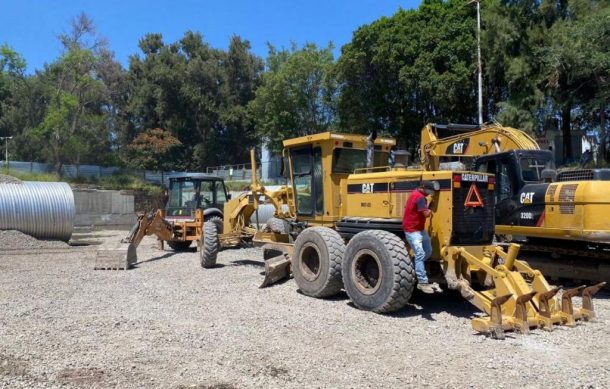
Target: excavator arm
(124,258)
(474,142)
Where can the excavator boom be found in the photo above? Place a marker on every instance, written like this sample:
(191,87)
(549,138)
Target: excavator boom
(472,141)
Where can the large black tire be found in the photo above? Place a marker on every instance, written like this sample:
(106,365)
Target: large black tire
(316,261)
(217,220)
(378,273)
(209,245)
(179,246)
(275,225)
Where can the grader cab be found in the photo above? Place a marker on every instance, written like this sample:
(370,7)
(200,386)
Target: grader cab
(342,230)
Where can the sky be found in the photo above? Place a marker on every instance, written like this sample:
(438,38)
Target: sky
(30,27)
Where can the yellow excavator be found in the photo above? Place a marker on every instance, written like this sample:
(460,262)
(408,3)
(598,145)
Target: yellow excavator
(338,226)
(564,214)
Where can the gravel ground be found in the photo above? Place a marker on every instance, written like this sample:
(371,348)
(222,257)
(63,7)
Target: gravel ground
(170,323)
(4,179)
(17,240)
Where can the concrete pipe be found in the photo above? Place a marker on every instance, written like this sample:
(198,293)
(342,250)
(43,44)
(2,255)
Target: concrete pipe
(44,210)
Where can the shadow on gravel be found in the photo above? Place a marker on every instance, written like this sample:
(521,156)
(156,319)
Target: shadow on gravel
(166,255)
(341,296)
(425,305)
(248,262)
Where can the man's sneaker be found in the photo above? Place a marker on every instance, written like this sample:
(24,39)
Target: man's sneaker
(426,288)
(436,287)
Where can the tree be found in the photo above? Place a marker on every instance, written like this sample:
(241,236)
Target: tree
(298,94)
(417,66)
(74,127)
(12,73)
(197,93)
(547,60)
(151,150)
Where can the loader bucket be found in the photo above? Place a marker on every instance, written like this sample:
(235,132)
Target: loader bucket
(118,258)
(277,263)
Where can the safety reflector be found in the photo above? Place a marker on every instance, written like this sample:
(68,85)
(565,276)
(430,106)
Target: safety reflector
(473,199)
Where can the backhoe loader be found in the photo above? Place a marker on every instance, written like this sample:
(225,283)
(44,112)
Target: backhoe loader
(343,230)
(191,198)
(566,217)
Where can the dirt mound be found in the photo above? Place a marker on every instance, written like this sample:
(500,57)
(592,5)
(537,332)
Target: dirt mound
(4,179)
(16,240)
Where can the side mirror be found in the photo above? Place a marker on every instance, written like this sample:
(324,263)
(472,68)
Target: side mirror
(228,196)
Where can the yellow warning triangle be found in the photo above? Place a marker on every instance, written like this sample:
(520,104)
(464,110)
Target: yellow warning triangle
(469,201)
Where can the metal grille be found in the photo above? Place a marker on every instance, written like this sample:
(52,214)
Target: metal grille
(575,175)
(400,199)
(473,225)
(551,191)
(566,199)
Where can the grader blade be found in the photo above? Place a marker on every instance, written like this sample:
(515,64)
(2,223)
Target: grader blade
(277,263)
(566,304)
(118,258)
(587,311)
(520,297)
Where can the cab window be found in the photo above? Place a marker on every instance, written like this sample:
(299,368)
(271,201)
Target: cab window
(221,196)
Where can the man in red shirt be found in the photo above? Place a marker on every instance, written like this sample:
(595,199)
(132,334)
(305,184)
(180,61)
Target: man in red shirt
(414,224)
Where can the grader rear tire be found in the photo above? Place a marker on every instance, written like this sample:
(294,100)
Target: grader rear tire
(179,246)
(316,261)
(378,274)
(209,245)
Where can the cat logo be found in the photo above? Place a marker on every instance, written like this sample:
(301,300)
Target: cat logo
(477,201)
(458,148)
(526,197)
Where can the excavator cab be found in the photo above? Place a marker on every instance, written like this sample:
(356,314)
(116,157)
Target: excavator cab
(520,186)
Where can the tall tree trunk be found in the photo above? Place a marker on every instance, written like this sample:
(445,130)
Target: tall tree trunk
(567,136)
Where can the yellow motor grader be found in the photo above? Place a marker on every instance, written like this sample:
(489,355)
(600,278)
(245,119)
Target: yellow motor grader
(342,230)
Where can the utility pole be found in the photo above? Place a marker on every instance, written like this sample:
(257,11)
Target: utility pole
(479,66)
(6,139)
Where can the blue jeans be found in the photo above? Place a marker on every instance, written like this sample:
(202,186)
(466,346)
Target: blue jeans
(421,245)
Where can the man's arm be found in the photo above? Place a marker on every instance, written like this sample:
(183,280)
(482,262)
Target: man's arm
(422,206)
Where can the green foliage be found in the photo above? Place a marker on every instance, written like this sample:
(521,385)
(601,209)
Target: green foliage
(414,67)
(546,60)
(122,181)
(47,177)
(298,94)
(151,149)
(197,93)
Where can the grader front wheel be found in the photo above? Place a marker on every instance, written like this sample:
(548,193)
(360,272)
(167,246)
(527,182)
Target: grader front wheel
(316,261)
(378,274)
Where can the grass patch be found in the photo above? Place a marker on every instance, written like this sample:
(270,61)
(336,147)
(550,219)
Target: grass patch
(118,181)
(122,181)
(47,177)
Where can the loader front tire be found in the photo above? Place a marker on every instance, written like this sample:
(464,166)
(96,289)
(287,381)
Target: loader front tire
(316,261)
(179,246)
(378,273)
(217,220)
(209,245)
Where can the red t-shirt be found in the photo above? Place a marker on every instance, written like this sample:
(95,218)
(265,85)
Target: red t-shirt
(413,218)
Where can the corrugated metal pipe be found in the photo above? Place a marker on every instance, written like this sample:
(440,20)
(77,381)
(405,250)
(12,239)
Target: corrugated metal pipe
(44,210)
